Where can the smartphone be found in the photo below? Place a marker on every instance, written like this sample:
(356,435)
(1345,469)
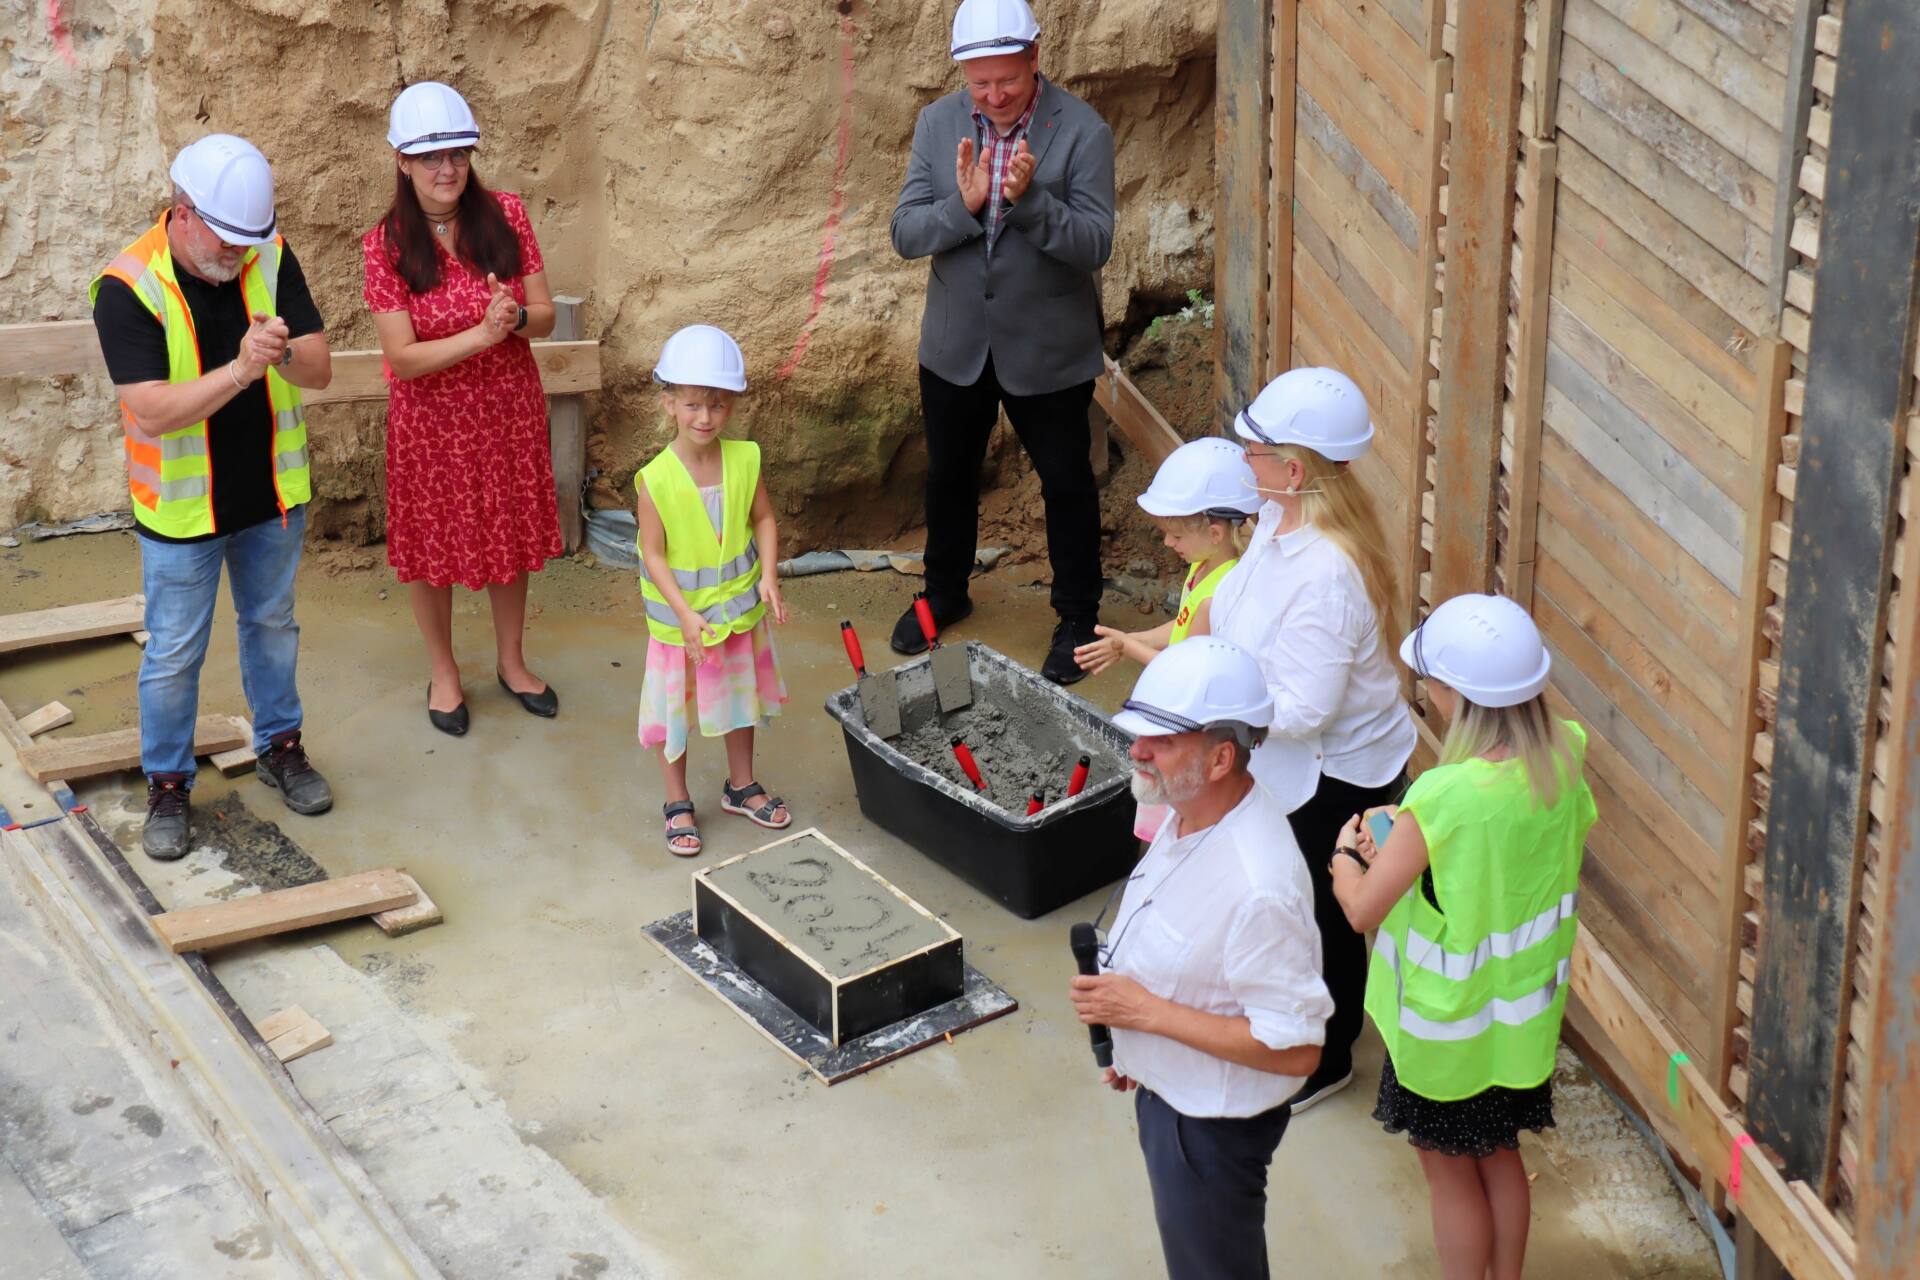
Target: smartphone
(1380,825)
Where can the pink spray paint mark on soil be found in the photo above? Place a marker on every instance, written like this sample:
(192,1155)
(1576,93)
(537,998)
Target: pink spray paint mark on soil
(57,30)
(830,236)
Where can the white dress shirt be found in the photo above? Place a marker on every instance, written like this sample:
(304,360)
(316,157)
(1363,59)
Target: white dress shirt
(1298,604)
(1222,921)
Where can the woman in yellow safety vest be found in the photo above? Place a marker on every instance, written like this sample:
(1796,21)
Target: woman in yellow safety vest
(709,578)
(1473,894)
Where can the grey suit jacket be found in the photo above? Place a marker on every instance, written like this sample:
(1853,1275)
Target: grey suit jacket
(1034,303)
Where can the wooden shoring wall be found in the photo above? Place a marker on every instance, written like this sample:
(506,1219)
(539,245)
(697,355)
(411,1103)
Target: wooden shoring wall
(1656,232)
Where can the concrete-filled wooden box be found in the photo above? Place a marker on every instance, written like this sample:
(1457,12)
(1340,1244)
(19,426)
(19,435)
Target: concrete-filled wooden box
(835,942)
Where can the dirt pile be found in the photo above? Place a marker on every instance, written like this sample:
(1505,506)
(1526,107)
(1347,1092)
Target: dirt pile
(732,161)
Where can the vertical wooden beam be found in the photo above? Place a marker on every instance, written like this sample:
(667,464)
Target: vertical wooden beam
(1473,340)
(1547,19)
(567,434)
(1795,112)
(1530,375)
(1858,392)
(1240,211)
(1439,85)
(1761,500)
(1286,37)
(1888,1221)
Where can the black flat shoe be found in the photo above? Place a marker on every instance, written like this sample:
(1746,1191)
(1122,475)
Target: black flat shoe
(544,703)
(453,722)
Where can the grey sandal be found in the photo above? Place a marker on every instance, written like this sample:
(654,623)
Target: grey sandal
(762,814)
(671,810)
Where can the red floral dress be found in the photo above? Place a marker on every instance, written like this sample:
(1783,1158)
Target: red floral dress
(469,469)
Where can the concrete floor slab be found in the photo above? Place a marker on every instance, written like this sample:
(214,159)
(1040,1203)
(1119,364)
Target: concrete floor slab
(541,841)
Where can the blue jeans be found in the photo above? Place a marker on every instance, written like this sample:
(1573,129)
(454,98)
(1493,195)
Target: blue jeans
(181,581)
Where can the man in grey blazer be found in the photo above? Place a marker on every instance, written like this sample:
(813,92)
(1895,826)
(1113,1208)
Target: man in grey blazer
(1010,193)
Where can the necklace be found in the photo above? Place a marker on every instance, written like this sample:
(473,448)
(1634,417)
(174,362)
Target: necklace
(440,221)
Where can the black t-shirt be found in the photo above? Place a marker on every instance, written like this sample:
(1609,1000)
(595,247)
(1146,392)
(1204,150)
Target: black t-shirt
(240,433)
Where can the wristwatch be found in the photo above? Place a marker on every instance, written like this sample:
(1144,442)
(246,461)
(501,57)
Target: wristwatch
(1351,853)
(286,355)
(521,323)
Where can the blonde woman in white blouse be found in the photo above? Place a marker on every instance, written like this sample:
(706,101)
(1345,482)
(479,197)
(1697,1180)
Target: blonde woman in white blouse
(1312,598)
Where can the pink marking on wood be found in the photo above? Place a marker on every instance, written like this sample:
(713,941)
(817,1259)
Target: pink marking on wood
(831,234)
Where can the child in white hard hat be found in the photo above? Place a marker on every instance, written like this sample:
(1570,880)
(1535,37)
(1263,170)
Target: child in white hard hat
(709,551)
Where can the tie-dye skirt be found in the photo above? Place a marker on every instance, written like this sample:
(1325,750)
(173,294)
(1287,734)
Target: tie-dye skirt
(738,687)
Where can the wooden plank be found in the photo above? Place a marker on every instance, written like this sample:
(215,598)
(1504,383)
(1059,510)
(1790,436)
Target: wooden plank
(1358,41)
(1364,115)
(1762,506)
(1350,277)
(1240,229)
(1350,344)
(1474,306)
(1859,389)
(51,716)
(567,436)
(1639,934)
(1641,967)
(222,924)
(99,753)
(1281,127)
(293,1033)
(1695,50)
(232,764)
(1415,583)
(1708,1127)
(1794,124)
(1402,40)
(1535,231)
(1378,193)
(1549,18)
(50,349)
(423,913)
(72,622)
(1135,415)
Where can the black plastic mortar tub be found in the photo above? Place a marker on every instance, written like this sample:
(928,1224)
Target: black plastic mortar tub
(1029,865)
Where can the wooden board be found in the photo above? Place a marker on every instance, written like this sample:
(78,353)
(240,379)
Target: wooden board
(1240,231)
(1473,346)
(99,753)
(422,914)
(1135,415)
(222,924)
(1281,127)
(293,1033)
(1858,392)
(1795,126)
(51,716)
(567,436)
(1535,231)
(72,622)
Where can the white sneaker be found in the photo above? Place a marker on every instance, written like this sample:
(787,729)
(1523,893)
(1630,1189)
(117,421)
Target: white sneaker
(1310,1095)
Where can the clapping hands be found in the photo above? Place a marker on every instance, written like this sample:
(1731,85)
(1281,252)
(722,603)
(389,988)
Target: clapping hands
(262,346)
(503,312)
(974,174)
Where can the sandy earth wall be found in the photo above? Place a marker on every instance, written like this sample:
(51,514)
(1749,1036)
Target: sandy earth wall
(680,159)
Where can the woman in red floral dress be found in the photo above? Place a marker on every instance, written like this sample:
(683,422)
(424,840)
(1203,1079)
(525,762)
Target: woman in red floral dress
(456,284)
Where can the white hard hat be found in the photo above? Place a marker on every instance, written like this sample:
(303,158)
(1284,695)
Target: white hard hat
(430,116)
(231,186)
(1486,647)
(702,356)
(986,28)
(1209,477)
(1319,408)
(1201,683)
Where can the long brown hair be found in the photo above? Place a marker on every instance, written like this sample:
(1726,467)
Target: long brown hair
(487,241)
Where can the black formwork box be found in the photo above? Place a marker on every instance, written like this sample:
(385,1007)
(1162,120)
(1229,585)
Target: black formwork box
(845,996)
(1029,865)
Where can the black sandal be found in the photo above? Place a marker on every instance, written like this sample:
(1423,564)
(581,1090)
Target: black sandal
(736,802)
(671,810)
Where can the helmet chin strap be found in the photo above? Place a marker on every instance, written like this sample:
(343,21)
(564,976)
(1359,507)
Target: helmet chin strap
(1288,493)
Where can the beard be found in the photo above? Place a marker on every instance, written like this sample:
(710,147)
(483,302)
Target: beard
(210,268)
(1151,786)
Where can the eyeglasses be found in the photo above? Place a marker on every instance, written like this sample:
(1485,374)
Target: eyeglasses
(459,157)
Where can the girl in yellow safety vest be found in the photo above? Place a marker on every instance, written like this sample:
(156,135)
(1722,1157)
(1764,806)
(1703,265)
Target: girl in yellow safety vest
(709,551)
(1473,893)
(1201,498)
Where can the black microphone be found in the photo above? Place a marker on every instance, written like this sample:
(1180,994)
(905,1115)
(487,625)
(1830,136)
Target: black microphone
(1086,950)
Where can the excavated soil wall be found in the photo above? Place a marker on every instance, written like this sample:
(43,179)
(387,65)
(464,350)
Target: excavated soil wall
(728,161)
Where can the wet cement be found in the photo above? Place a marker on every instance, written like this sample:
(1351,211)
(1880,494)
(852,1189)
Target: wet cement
(1022,737)
(998,1155)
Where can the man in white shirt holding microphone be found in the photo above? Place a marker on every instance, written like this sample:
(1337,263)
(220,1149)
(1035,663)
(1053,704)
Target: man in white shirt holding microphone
(1211,980)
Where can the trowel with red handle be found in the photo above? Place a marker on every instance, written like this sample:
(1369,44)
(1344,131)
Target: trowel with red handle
(952,679)
(879,698)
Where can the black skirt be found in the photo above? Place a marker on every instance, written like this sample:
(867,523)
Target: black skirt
(1489,1121)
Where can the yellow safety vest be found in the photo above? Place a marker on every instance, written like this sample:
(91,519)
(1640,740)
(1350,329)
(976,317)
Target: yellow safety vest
(1193,593)
(719,577)
(171,478)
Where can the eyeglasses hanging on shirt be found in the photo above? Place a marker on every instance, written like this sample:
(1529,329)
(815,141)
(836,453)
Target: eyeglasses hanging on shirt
(1109,949)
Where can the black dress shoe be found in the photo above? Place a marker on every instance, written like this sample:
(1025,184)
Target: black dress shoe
(907,636)
(1059,666)
(453,722)
(544,703)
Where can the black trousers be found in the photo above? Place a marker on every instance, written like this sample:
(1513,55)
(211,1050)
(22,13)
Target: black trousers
(1209,1180)
(1343,953)
(1053,430)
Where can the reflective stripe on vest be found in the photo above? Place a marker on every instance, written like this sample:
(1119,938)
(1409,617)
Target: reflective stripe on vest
(170,478)
(1424,953)
(717,572)
(1515,1012)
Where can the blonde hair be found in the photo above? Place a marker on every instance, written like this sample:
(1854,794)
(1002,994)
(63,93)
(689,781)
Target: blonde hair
(1336,504)
(1529,731)
(687,391)
(1238,531)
